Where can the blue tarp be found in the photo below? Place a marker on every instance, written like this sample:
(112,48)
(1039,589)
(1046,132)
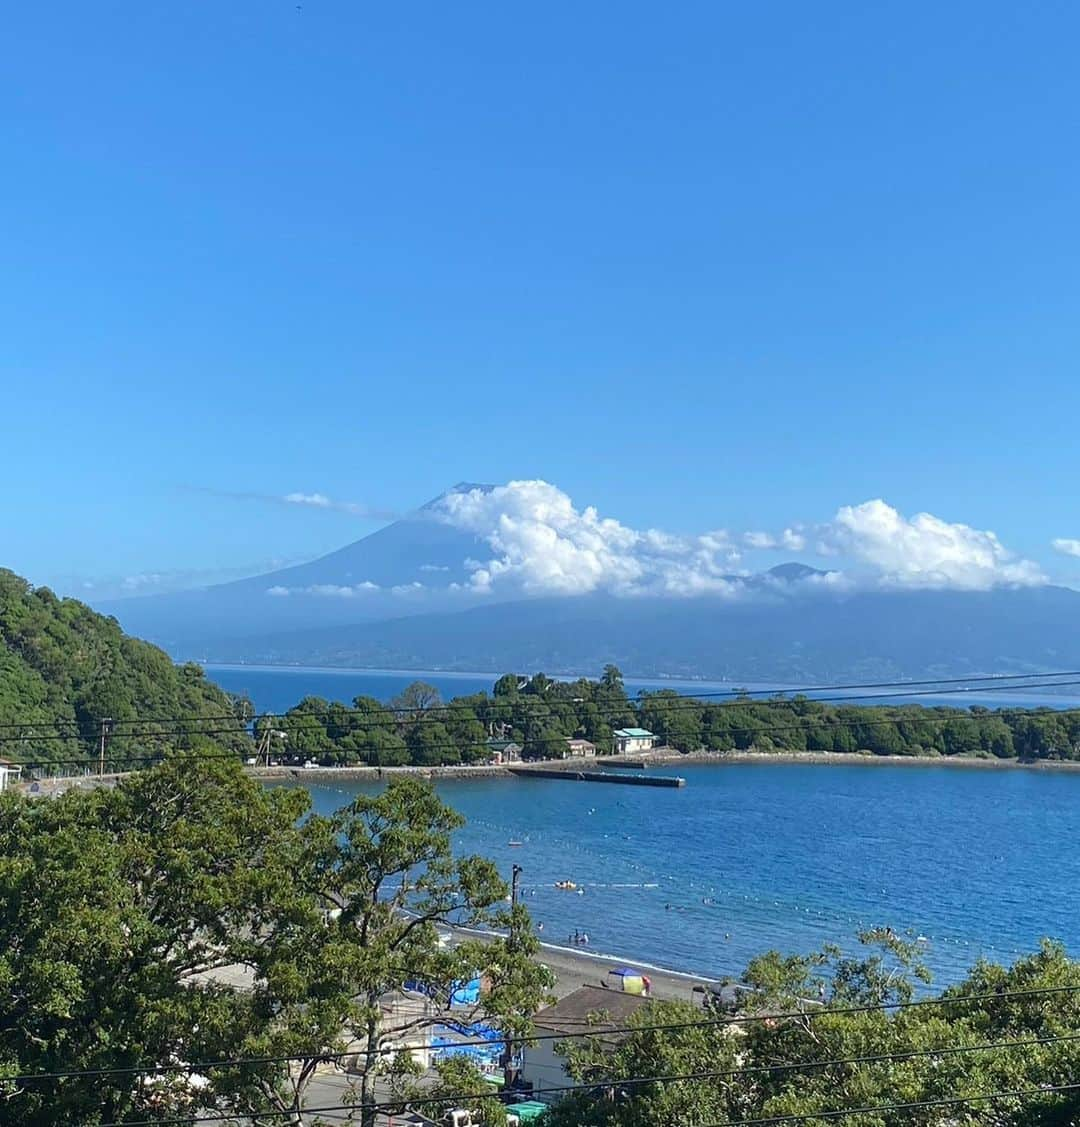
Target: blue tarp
(466,993)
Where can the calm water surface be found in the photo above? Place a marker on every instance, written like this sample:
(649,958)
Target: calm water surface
(278,688)
(749,857)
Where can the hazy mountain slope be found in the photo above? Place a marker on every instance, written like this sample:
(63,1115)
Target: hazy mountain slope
(797,638)
(416,550)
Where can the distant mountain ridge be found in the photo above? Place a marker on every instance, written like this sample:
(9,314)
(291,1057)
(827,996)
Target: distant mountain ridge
(401,597)
(805,639)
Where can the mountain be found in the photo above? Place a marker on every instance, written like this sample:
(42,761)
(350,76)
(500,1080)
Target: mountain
(401,597)
(62,664)
(803,638)
(409,566)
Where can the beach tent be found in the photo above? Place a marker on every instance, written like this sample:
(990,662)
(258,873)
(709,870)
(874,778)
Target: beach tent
(632,981)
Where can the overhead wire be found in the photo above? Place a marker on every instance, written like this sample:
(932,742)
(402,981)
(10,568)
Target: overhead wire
(830,1113)
(813,1014)
(1024,681)
(839,723)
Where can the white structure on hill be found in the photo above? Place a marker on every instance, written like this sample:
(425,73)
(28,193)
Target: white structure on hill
(628,741)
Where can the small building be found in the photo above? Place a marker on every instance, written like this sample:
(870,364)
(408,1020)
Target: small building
(9,773)
(503,751)
(580,749)
(630,741)
(590,1009)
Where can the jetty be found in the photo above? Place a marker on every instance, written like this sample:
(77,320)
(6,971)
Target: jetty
(573,775)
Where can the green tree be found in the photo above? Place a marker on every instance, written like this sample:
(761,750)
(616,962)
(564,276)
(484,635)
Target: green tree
(121,910)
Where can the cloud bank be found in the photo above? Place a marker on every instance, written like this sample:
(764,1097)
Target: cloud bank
(542,543)
(923,550)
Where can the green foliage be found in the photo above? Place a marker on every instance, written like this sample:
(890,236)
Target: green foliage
(62,664)
(541,714)
(121,911)
(768,1068)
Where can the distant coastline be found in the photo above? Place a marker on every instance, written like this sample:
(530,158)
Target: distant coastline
(674,759)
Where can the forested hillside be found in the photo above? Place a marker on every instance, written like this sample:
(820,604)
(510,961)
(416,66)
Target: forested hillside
(65,669)
(540,714)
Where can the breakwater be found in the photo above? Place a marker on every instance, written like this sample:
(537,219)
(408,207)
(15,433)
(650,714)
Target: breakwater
(597,776)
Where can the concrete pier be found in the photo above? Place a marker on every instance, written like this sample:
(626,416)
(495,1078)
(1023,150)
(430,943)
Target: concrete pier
(598,776)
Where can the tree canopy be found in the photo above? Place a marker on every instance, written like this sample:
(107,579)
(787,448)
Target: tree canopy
(65,669)
(192,914)
(759,1067)
(541,714)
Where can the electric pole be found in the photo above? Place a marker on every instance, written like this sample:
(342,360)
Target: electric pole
(105,727)
(509,1071)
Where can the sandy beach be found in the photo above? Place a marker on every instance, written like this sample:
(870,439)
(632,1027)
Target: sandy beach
(573,969)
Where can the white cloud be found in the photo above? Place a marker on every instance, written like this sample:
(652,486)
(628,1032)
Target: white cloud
(321,501)
(543,544)
(338,591)
(790,540)
(345,591)
(923,550)
(143,580)
(316,500)
(1066,547)
(433,567)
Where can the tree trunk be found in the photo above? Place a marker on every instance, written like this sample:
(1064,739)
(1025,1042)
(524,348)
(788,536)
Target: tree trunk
(367,1080)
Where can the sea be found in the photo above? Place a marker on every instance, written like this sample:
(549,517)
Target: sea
(751,857)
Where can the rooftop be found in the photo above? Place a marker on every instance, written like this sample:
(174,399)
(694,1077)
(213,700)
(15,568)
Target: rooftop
(572,1013)
(634,733)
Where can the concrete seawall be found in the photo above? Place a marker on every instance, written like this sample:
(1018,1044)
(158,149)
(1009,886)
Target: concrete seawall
(579,776)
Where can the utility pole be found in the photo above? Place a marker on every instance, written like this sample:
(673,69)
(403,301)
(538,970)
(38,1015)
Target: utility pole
(509,1072)
(105,727)
(263,751)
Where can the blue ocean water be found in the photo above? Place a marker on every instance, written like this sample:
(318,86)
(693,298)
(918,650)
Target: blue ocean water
(749,857)
(277,688)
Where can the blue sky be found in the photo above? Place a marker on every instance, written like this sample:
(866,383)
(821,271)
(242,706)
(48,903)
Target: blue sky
(717,266)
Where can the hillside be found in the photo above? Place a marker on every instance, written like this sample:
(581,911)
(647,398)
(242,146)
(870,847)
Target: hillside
(797,639)
(63,668)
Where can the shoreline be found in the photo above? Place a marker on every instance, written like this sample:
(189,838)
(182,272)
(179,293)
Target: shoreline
(667,760)
(575,967)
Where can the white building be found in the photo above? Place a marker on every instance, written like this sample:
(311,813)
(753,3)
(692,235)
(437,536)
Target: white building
(9,773)
(580,749)
(628,741)
(590,1009)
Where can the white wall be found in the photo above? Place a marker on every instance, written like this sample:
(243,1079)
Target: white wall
(544,1068)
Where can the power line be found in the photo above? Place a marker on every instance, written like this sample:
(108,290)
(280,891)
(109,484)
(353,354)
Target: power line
(367,721)
(591,1031)
(912,1105)
(396,1105)
(643,696)
(837,723)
